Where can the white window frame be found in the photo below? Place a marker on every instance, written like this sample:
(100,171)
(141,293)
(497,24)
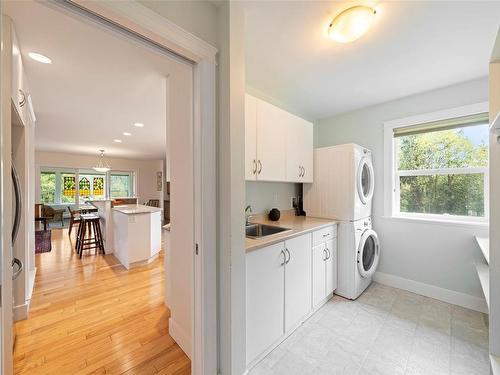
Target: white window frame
(391,174)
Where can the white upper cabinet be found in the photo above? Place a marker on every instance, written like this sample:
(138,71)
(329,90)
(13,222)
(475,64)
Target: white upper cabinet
(299,150)
(250,137)
(18,87)
(278,145)
(271,142)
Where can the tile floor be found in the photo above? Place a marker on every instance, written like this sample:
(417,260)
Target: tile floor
(386,331)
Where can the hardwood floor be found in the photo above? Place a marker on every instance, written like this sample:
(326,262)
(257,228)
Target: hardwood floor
(92,316)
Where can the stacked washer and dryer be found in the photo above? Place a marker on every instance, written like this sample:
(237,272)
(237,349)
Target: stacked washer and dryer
(343,190)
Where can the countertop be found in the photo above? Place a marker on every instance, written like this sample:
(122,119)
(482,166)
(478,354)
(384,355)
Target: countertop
(135,209)
(297,224)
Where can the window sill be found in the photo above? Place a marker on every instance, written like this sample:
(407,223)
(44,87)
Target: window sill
(454,223)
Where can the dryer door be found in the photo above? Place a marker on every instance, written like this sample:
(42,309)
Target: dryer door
(368,253)
(365,179)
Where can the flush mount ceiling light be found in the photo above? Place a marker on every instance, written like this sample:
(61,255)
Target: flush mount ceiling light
(102,165)
(127,134)
(117,140)
(139,125)
(40,58)
(351,24)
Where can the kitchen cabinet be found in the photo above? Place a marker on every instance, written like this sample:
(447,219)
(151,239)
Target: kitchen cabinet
(298,281)
(299,154)
(19,92)
(324,261)
(278,145)
(265,295)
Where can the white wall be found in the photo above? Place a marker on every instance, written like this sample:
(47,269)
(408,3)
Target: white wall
(263,196)
(145,170)
(440,255)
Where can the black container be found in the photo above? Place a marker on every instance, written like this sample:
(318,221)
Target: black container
(274,214)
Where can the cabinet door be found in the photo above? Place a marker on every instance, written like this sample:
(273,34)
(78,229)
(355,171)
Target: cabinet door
(318,276)
(265,281)
(306,151)
(250,137)
(298,280)
(331,266)
(271,142)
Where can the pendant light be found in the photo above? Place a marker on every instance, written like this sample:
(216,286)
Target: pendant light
(102,165)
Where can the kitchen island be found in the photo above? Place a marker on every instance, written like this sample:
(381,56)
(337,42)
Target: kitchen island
(136,234)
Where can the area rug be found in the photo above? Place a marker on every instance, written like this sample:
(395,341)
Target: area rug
(43,243)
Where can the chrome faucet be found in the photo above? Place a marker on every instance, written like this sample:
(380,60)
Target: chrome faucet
(248,217)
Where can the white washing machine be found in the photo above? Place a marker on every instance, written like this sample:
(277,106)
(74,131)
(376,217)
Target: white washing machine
(343,183)
(358,257)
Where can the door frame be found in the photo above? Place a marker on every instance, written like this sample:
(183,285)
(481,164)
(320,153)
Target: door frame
(153,28)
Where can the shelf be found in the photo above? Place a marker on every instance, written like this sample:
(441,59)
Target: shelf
(495,364)
(483,272)
(484,245)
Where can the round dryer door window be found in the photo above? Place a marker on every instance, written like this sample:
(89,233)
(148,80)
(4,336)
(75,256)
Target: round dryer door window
(368,253)
(366,182)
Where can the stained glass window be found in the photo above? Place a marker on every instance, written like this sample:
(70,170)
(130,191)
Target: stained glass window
(69,186)
(98,186)
(84,186)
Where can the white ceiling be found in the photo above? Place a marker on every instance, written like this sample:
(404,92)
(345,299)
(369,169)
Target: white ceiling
(98,85)
(414,46)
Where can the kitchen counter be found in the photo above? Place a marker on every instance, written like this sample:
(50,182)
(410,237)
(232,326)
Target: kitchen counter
(297,224)
(135,209)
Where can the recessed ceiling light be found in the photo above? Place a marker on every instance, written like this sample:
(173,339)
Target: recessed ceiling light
(139,125)
(127,134)
(40,58)
(117,140)
(351,24)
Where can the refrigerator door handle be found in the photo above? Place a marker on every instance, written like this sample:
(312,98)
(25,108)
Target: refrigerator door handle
(20,267)
(17,197)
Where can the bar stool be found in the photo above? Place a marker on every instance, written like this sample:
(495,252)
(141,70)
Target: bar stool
(90,226)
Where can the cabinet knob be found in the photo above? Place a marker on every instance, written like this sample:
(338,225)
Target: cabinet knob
(254,167)
(260,167)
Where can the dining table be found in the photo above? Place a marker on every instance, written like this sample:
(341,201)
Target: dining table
(85,208)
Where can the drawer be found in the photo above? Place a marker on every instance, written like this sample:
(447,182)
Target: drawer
(324,235)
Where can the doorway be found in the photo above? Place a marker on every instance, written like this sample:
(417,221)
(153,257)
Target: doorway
(196,238)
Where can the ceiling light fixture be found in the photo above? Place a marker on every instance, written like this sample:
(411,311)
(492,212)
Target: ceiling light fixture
(102,165)
(139,125)
(127,134)
(117,140)
(351,24)
(40,58)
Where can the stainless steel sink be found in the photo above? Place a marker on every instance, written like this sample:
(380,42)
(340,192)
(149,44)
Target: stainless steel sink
(262,230)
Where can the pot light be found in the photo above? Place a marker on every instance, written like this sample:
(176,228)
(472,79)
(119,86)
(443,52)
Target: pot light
(351,24)
(40,58)
(139,125)
(127,134)
(117,140)
(102,165)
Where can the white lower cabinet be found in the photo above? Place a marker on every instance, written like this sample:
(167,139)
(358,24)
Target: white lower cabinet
(265,298)
(297,280)
(324,270)
(284,282)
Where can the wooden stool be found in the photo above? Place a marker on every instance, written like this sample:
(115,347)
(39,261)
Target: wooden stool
(90,226)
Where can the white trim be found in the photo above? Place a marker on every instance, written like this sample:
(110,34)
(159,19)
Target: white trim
(434,221)
(141,20)
(442,171)
(427,290)
(21,311)
(391,188)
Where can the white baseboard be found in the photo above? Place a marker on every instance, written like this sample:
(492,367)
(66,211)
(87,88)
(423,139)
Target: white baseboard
(180,337)
(427,290)
(20,312)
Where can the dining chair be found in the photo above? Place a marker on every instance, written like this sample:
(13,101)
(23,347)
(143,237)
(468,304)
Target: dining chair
(74,219)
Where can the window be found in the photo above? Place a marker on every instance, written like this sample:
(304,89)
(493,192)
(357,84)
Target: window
(440,168)
(63,186)
(48,187)
(121,184)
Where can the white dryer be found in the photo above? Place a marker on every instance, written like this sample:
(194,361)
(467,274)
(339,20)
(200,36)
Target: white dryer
(358,257)
(343,183)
